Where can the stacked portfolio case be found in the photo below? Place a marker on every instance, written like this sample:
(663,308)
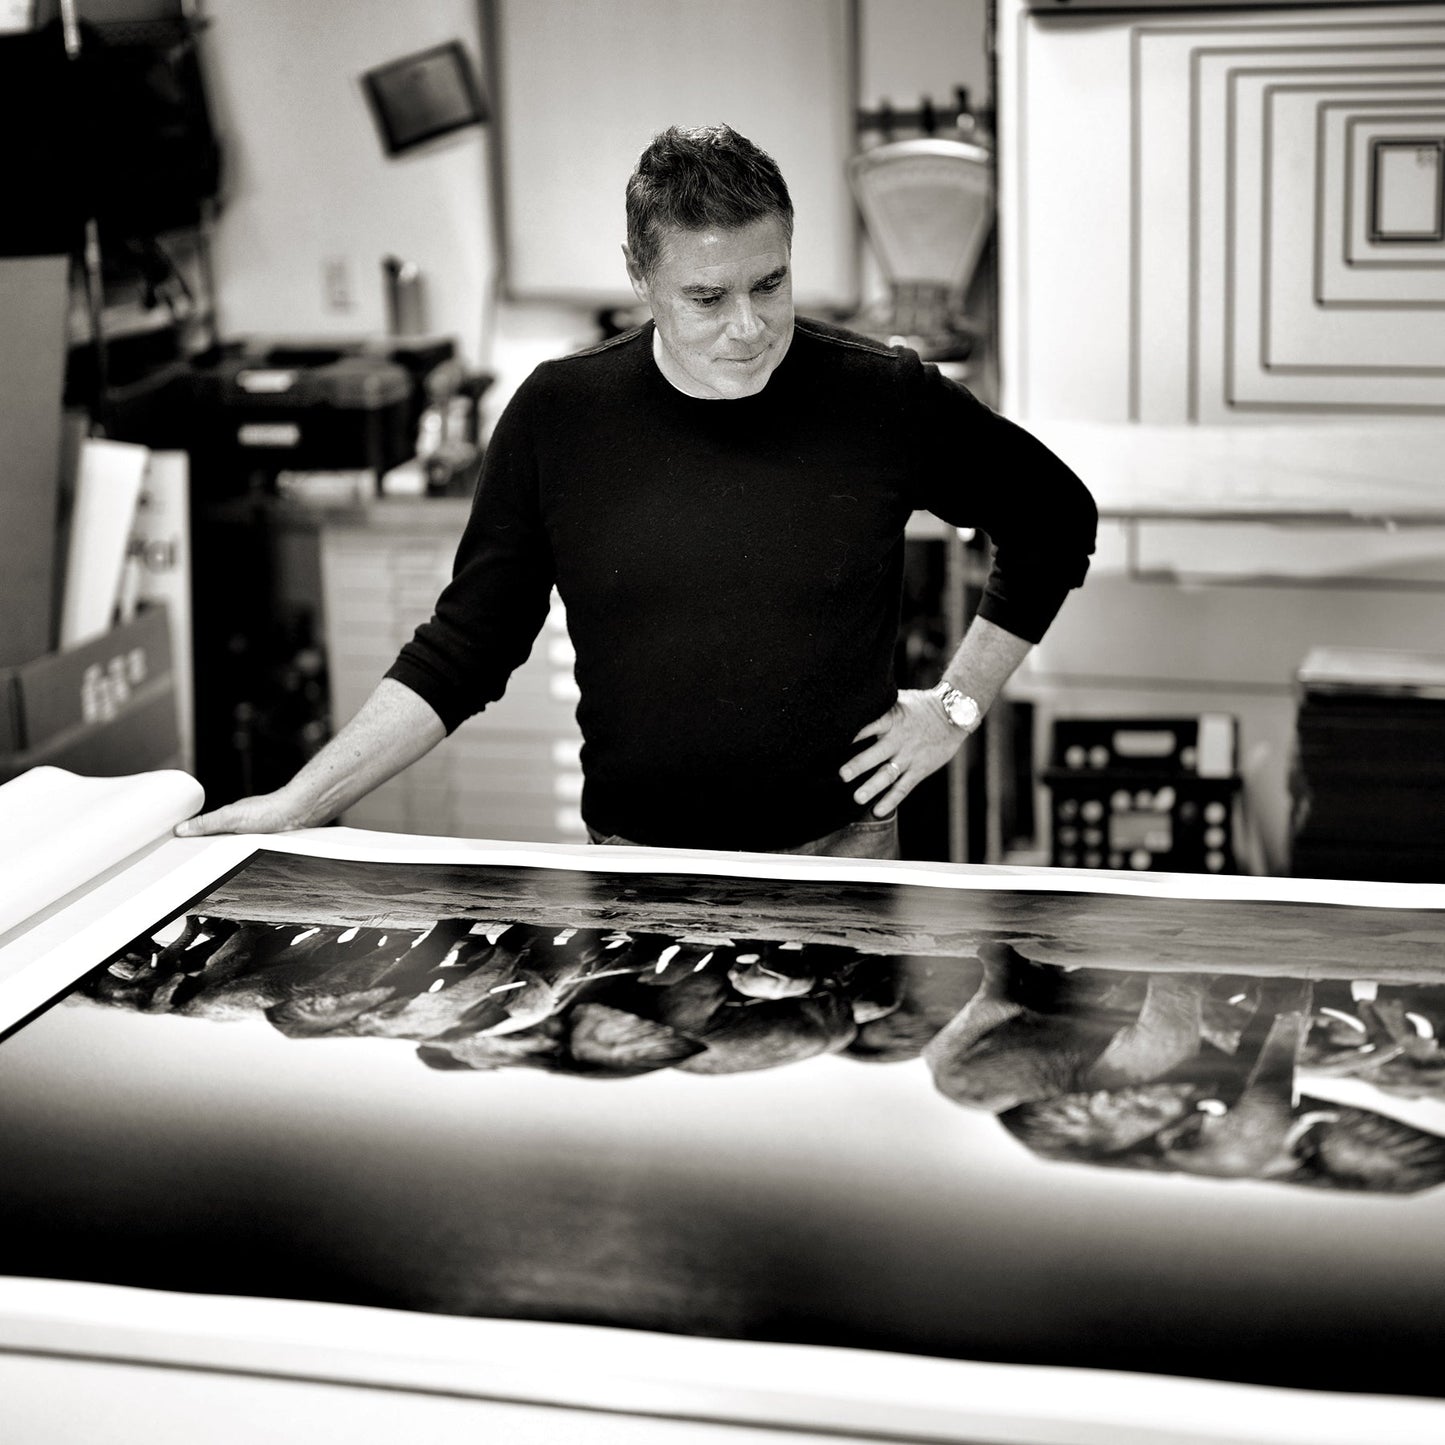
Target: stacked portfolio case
(1368,782)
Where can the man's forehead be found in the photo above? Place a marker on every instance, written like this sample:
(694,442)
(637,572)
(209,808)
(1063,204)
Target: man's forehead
(760,246)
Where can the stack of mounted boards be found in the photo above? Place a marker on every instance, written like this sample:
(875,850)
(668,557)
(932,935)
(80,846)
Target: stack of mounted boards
(1369,776)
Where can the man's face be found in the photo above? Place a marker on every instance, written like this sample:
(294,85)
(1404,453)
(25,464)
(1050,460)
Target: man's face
(723,304)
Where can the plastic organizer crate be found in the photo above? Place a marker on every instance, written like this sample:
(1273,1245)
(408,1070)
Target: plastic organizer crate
(1144,793)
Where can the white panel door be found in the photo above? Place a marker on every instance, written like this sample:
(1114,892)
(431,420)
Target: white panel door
(1197,212)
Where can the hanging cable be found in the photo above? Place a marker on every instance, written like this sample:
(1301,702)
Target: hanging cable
(91,260)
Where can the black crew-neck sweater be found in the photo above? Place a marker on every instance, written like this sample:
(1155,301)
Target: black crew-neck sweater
(732,571)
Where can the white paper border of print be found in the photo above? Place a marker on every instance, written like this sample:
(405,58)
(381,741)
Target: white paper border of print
(818,1389)
(352,843)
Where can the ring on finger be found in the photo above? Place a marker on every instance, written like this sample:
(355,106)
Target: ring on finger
(897,771)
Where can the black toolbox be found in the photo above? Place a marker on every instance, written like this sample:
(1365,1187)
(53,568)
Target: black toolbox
(318,413)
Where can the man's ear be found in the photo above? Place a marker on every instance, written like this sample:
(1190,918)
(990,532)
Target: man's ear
(634,274)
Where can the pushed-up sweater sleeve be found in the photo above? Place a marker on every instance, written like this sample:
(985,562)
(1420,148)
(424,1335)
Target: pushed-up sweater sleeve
(975,468)
(491,611)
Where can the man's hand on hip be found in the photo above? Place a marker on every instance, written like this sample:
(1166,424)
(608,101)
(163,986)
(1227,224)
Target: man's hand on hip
(910,741)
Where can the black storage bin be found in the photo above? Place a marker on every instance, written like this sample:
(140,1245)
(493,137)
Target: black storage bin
(338,415)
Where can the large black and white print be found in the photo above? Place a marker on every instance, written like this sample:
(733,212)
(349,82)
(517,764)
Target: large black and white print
(1200,1137)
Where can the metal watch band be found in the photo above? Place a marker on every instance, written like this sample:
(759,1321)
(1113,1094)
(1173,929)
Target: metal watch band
(955,702)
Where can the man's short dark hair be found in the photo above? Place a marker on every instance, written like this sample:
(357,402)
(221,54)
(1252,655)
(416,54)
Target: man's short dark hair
(692,179)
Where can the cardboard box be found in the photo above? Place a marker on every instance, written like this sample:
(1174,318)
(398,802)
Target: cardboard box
(103,709)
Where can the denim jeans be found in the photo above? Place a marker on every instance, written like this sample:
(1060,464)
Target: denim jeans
(867,838)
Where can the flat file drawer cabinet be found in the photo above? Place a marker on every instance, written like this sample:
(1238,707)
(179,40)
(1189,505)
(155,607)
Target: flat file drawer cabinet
(513,771)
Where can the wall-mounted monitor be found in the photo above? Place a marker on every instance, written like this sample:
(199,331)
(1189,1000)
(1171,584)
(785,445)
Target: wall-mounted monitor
(425,95)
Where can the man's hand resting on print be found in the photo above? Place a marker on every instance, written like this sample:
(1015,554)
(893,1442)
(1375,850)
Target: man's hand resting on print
(392,730)
(265,813)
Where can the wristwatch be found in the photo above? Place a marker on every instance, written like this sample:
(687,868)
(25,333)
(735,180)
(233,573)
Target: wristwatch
(961,710)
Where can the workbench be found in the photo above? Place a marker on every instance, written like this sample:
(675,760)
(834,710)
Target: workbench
(832,1249)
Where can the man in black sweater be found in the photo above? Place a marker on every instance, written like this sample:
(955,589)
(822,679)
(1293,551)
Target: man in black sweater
(719,498)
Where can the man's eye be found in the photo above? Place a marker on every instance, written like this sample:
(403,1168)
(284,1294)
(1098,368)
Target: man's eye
(769,286)
(705,301)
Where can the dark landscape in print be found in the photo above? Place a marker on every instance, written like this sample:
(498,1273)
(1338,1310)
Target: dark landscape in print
(1102,929)
(1040,1127)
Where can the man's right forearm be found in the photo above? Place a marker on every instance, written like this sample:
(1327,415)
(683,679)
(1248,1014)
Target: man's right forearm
(393,728)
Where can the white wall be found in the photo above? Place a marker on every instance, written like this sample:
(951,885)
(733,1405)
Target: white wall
(307,181)
(586,85)
(308,184)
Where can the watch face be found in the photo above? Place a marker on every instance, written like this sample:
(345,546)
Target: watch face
(962,711)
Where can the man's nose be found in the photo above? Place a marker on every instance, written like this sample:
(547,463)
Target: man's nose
(744,323)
